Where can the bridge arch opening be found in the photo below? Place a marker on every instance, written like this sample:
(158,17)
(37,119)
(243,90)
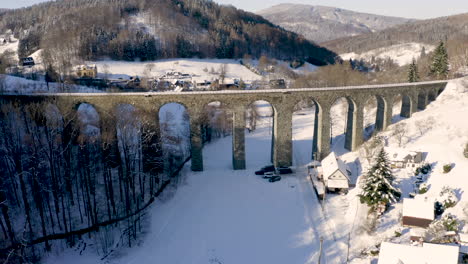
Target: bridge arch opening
(174,126)
(54,119)
(89,123)
(441,90)
(370,117)
(216,125)
(343,120)
(128,127)
(259,117)
(402,107)
(305,131)
(431,96)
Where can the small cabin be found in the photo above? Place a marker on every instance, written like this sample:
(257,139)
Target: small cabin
(277,84)
(417,212)
(86,71)
(335,174)
(29,61)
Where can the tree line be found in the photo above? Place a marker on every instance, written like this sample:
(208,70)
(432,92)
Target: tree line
(91,29)
(75,173)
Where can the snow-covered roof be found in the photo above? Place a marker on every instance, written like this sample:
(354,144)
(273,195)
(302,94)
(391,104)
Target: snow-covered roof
(391,253)
(331,164)
(418,208)
(91,66)
(400,154)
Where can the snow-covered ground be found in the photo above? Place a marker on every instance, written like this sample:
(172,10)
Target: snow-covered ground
(226,216)
(12,46)
(402,54)
(12,84)
(202,69)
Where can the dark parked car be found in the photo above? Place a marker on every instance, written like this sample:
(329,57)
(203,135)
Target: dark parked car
(269,168)
(274,179)
(284,170)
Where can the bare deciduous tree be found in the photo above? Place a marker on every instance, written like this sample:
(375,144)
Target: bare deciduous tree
(424,125)
(399,132)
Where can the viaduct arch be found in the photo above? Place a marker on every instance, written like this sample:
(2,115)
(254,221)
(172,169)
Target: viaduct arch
(414,95)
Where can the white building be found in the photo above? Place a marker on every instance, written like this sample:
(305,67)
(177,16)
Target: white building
(335,173)
(401,158)
(391,253)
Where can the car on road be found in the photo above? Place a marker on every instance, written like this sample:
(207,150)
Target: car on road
(262,171)
(284,170)
(274,179)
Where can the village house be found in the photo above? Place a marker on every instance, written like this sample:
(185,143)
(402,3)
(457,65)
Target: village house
(400,158)
(391,253)
(417,212)
(29,61)
(335,174)
(86,71)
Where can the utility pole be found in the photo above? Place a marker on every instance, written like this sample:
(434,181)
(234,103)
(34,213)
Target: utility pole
(320,253)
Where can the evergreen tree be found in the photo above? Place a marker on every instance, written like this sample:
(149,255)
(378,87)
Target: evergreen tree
(413,75)
(378,186)
(440,65)
(423,52)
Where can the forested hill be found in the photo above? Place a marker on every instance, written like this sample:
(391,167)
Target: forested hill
(452,29)
(154,29)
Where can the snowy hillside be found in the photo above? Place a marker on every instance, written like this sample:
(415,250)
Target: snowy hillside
(323,23)
(225,216)
(401,54)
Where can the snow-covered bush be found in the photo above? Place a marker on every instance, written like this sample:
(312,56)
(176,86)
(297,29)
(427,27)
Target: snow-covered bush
(447,168)
(438,208)
(424,169)
(447,197)
(423,188)
(465,151)
(436,232)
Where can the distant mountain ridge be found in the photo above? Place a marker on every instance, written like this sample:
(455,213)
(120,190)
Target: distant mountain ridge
(451,29)
(149,30)
(322,23)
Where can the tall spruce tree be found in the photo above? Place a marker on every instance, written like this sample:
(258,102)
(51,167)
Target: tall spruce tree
(378,187)
(413,75)
(440,65)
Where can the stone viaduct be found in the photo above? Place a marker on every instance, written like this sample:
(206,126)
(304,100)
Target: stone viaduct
(415,96)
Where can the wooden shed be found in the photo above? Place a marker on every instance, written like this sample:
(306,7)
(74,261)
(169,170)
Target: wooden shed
(417,212)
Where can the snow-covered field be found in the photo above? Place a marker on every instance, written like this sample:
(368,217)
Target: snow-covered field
(402,54)
(201,68)
(225,216)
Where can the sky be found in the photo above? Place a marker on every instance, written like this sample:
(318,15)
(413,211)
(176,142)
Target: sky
(403,8)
